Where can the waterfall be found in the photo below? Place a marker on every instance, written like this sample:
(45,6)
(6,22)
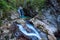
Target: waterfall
(34,34)
(21,12)
(28,34)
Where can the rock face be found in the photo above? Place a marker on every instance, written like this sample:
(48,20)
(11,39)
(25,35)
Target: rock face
(56,7)
(46,28)
(50,17)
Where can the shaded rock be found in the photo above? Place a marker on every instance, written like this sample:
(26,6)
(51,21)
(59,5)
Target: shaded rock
(29,12)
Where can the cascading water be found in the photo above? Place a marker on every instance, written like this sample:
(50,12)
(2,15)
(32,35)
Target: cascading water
(21,12)
(34,33)
(26,33)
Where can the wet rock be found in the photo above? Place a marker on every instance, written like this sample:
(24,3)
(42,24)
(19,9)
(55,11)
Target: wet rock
(21,21)
(14,15)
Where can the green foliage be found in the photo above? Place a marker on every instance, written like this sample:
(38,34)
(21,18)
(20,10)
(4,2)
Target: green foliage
(38,4)
(3,4)
(6,6)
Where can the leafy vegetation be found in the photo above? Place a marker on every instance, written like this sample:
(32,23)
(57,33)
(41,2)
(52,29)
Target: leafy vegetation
(7,5)
(38,4)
